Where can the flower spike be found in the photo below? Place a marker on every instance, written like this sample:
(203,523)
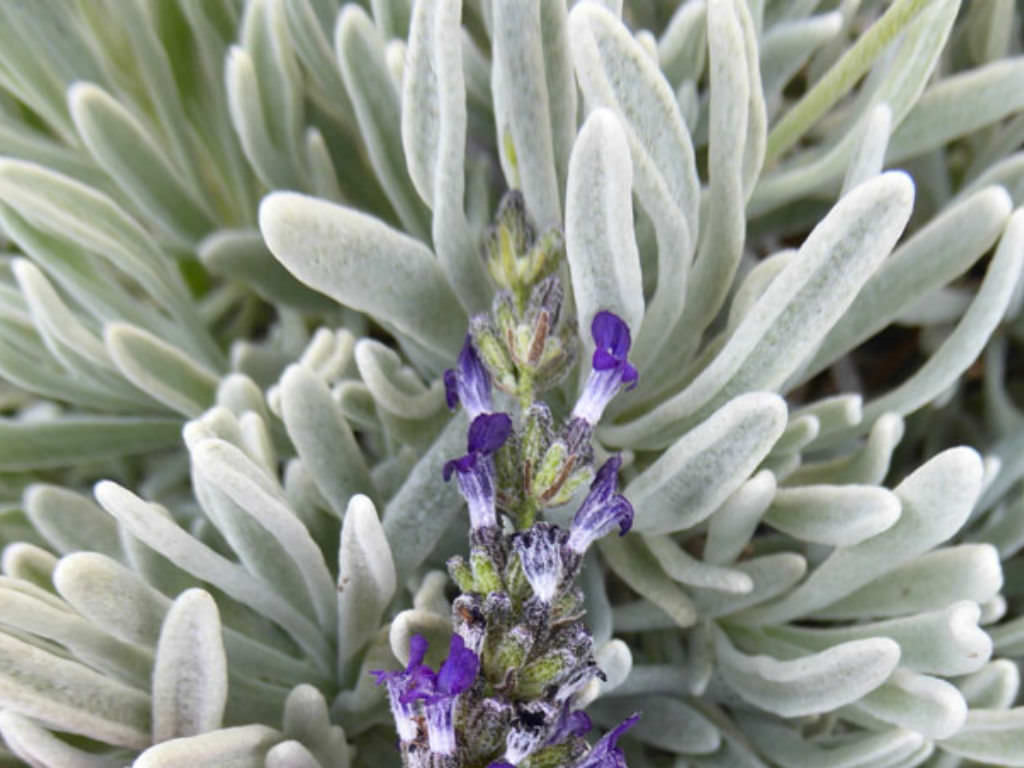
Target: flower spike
(468,383)
(602,510)
(609,367)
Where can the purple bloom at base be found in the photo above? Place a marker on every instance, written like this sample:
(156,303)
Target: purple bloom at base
(468,383)
(401,682)
(440,695)
(576,723)
(609,368)
(602,510)
(605,754)
(475,470)
(438,692)
(540,552)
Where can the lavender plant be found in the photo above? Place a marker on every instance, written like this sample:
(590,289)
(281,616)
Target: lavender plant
(243,239)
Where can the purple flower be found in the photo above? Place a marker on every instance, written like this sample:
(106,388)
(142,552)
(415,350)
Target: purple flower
(438,692)
(540,552)
(609,368)
(605,754)
(602,510)
(401,683)
(475,470)
(469,382)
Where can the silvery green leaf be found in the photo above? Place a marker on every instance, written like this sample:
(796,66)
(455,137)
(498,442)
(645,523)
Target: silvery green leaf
(360,52)
(1004,528)
(772,575)
(362,263)
(244,746)
(164,372)
(68,440)
(70,522)
(147,523)
(38,746)
(959,105)
(366,577)
(263,33)
(116,598)
(994,686)
(603,260)
(434,138)
(86,642)
(869,156)
(667,723)
(437,630)
(190,677)
(789,749)
(74,345)
(44,211)
(431,594)
(630,560)
(836,515)
(799,432)
(945,642)
(615,661)
(307,721)
(967,340)
(522,109)
(248,116)
(614,71)
(229,475)
(702,468)
(809,684)
(790,319)
(686,569)
(396,387)
(71,697)
(357,405)
(126,150)
(990,736)
(683,45)
(737,130)
(329,353)
(424,506)
(561,84)
(922,703)
(35,565)
(241,255)
(929,582)
(787,47)
(931,257)
(392,16)
(322,438)
(290,754)
(936,500)
(596,601)
(309,32)
(869,464)
(732,525)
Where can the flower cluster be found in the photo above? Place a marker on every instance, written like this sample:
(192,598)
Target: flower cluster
(509,693)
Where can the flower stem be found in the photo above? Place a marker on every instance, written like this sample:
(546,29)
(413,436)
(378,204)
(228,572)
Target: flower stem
(841,77)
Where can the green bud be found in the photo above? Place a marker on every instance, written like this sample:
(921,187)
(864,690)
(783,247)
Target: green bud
(551,474)
(543,258)
(461,574)
(486,578)
(537,676)
(582,476)
(493,354)
(511,650)
(515,580)
(554,756)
